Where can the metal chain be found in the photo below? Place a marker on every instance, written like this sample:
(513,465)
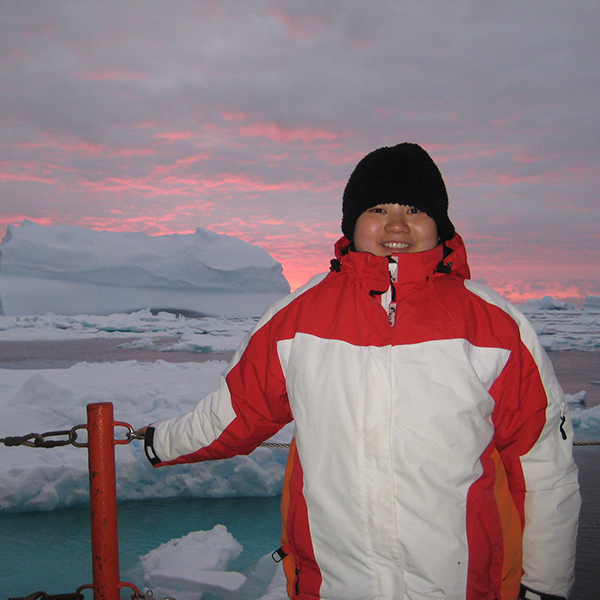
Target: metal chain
(78,595)
(576,443)
(47,596)
(40,440)
(274,445)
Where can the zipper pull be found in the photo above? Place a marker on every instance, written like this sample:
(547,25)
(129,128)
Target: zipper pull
(563,419)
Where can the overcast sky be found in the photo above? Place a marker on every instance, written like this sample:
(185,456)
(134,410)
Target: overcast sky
(247,117)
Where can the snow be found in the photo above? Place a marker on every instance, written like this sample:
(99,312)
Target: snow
(73,270)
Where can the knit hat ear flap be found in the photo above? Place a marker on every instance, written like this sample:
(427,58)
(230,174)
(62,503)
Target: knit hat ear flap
(403,174)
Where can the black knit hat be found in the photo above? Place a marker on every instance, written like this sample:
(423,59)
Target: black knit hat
(402,174)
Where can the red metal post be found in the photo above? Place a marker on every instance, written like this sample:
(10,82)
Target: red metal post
(103,501)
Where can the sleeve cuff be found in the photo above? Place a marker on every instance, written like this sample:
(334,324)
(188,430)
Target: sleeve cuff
(149,447)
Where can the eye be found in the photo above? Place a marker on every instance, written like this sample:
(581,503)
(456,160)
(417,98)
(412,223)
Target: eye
(377,210)
(412,210)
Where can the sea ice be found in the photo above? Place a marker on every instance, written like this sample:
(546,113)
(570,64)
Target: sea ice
(587,420)
(578,398)
(56,399)
(217,333)
(196,562)
(190,567)
(545,303)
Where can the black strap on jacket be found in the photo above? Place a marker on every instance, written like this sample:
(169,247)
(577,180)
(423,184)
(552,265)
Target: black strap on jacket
(528,594)
(280,554)
(445,267)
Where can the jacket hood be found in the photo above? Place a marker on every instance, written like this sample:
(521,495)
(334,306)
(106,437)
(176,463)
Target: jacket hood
(413,267)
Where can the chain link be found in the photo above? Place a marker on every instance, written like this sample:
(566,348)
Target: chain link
(44,440)
(129,436)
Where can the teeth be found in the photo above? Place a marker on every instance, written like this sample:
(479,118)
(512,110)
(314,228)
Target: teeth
(396,245)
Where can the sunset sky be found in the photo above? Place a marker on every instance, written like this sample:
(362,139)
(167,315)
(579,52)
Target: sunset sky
(247,117)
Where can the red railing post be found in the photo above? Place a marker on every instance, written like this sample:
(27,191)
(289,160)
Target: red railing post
(103,501)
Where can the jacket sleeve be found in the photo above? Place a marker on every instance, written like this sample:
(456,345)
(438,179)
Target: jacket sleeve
(249,407)
(534,436)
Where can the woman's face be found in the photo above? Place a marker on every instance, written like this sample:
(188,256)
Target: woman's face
(394,229)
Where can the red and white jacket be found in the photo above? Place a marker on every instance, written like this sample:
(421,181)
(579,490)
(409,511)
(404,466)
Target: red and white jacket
(431,459)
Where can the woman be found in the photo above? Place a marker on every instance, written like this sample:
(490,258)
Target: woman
(432,451)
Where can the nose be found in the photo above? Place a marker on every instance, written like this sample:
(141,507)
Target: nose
(396,222)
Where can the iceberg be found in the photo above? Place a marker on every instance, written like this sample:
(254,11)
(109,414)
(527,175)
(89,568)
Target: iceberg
(592,303)
(74,270)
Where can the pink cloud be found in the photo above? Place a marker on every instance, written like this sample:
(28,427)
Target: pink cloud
(280,134)
(234,116)
(23,177)
(116,185)
(174,136)
(86,148)
(179,163)
(520,292)
(16,218)
(179,185)
(246,184)
(77,147)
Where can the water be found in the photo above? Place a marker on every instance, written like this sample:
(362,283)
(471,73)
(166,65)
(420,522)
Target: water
(51,550)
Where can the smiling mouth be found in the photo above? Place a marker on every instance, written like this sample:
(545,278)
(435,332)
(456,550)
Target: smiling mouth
(396,245)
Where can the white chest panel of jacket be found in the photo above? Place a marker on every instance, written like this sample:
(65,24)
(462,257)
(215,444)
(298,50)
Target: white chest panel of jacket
(410,425)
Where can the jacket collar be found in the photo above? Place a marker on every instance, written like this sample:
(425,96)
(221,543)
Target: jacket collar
(372,272)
